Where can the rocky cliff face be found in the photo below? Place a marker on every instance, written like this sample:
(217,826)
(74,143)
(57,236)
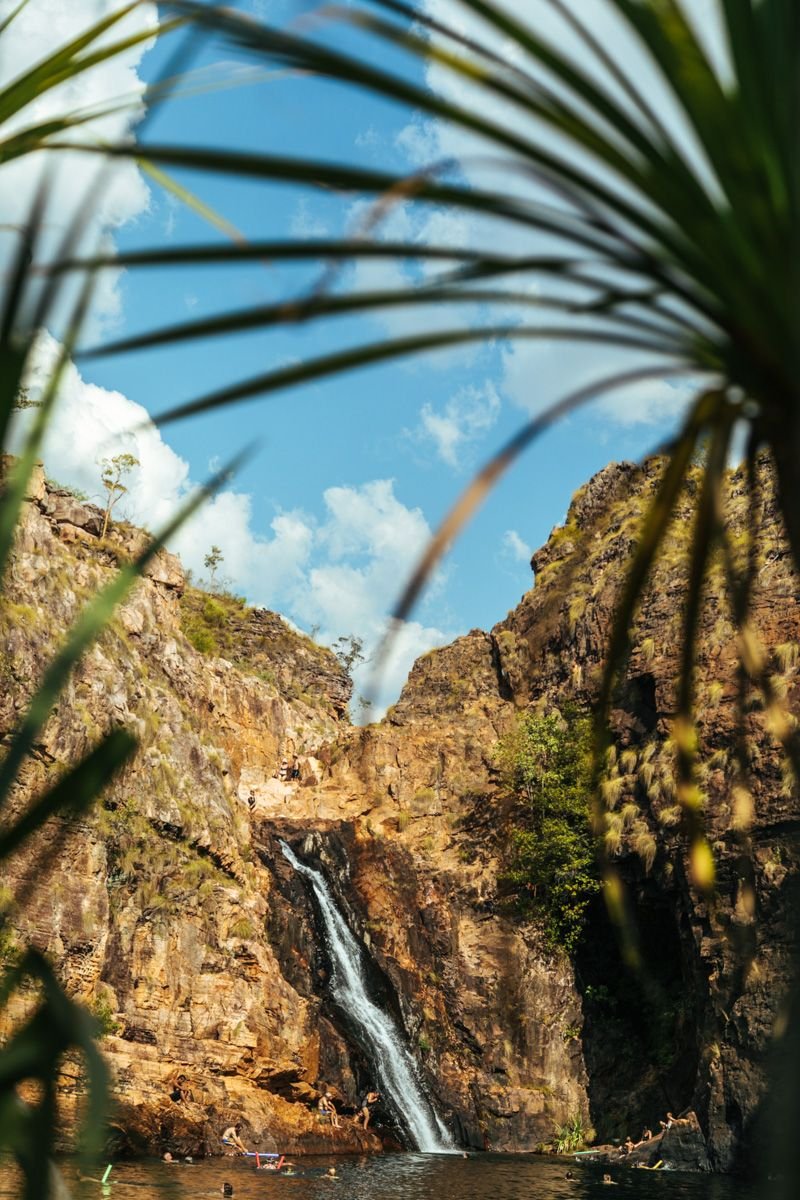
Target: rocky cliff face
(155,911)
(174,913)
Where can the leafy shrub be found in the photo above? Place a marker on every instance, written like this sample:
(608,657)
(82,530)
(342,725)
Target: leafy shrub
(103,1014)
(201,638)
(570,1137)
(214,613)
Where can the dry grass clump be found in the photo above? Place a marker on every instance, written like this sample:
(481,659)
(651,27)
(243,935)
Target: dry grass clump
(787,655)
(612,789)
(628,760)
(629,814)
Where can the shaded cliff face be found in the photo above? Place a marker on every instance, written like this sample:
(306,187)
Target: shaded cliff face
(175,914)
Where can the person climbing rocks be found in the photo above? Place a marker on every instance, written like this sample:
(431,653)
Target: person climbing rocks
(369,1103)
(231,1139)
(295,771)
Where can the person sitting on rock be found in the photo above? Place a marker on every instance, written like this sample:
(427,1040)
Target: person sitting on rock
(647,1135)
(628,1145)
(180,1090)
(330,1108)
(231,1139)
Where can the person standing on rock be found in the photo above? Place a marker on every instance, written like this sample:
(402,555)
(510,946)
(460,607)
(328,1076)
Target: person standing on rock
(369,1102)
(231,1139)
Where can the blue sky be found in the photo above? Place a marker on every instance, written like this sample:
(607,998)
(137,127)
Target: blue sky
(349,475)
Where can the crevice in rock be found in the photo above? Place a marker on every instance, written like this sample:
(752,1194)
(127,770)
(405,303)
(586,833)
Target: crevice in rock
(504,688)
(640,1036)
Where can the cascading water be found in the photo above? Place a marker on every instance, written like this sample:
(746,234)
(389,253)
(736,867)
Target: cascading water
(394,1067)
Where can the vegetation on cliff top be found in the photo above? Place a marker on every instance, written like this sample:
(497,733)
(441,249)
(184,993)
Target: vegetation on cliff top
(546,766)
(260,643)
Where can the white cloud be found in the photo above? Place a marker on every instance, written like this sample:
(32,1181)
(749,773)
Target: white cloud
(515,548)
(467,415)
(419,141)
(534,375)
(363,550)
(369,139)
(41,28)
(304,224)
(652,402)
(91,423)
(341,573)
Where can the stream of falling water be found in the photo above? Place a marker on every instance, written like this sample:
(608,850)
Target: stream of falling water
(394,1067)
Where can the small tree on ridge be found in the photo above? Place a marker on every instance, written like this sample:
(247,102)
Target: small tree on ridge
(114,470)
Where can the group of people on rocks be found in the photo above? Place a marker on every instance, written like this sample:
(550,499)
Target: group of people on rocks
(180,1092)
(287,770)
(628,1146)
(366,1107)
(232,1140)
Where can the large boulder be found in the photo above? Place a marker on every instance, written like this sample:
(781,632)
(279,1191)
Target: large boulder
(63,508)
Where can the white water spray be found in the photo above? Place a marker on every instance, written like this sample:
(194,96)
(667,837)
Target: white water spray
(394,1066)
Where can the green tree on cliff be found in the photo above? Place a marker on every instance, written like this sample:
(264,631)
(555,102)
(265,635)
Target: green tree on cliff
(349,651)
(545,764)
(211,562)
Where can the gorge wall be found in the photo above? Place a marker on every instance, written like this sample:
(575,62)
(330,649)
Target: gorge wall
(173,914)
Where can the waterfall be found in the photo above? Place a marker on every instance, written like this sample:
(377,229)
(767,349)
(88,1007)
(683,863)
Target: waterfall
(394,1067)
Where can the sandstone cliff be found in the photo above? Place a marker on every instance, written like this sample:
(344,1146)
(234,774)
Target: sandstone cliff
(173,912)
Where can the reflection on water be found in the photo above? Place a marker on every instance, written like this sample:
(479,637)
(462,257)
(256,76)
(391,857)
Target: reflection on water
(397,1177)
